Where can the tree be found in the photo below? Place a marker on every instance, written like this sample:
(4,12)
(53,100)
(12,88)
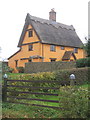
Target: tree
(0,49)
(87,47)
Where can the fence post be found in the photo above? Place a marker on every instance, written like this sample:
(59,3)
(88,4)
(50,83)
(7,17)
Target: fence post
(72,80)
(5,90)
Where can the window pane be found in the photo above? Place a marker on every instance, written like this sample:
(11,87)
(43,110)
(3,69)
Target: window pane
(52,48)
(30,47)
(30,33)
(53,60)
(75,50)
(16,63)
(62,48)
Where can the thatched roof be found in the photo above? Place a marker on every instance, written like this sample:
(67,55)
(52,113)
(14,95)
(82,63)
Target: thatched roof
(51,32)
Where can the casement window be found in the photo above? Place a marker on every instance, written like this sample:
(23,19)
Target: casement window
(30,33)
(62,47)
(53,59)
(75,50)
(52,48)
(16,63)
(30,60)
(30,47)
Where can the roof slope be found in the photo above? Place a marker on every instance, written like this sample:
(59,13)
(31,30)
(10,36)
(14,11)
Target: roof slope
(67,55)
(52,32)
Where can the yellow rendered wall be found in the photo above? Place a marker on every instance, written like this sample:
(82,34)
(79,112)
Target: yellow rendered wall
(59,53)
(30,39)
(24,53)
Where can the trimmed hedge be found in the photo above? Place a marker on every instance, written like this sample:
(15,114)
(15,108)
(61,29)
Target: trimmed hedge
(35,67)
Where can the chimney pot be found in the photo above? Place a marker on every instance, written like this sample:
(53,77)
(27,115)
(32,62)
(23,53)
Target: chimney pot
(52,15)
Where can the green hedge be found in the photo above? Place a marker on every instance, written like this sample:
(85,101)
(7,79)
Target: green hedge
(62,76)
(84,62)
(74,102)
(35,67)
(6,69)
(20,69)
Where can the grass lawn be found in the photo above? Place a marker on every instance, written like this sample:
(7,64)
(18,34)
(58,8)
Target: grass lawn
(10,110)
(23,111)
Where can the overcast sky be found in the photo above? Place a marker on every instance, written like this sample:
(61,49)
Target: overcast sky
(13,13)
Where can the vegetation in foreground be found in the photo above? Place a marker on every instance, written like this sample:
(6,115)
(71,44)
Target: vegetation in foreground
(24,111)
(73,100)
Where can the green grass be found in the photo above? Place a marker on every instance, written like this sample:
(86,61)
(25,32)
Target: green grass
(24,111)
(10,110)
(41,102)
(86,85)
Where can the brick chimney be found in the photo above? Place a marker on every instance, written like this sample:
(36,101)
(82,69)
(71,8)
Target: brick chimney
(52,15)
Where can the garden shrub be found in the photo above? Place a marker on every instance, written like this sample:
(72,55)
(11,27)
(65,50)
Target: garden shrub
(84,62)
(6,69)
(74,102)
(62,76)
(20,69)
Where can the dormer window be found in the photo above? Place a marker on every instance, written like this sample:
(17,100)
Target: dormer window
(30,33)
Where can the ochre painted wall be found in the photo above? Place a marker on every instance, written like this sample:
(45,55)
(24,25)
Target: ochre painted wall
(59,53)
(39,49)
(24,53)
(30,39)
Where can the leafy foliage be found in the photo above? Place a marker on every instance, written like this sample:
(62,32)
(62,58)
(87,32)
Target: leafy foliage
(74,102)
(87,47)
(84,62)
(20,69)
(6,69)
(29,112)
(60,75)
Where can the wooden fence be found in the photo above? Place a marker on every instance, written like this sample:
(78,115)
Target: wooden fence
(15,93)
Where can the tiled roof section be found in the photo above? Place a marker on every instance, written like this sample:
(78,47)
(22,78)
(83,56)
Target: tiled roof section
(52,32)
(67,55)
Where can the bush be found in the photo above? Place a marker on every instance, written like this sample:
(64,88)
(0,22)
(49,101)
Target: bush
(6,69)
(74,102)
(20,69)
(84,62)
(60,75)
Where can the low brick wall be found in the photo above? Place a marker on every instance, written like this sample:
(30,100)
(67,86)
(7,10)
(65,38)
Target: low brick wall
(35,67)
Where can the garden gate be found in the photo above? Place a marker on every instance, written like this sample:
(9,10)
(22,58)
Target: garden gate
(32,92)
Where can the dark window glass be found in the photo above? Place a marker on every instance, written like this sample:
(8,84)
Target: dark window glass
(16,63)
(53,60)
(62,48)
(52,48)
(75,50)
(30,47)
(30,33)
(30,60)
